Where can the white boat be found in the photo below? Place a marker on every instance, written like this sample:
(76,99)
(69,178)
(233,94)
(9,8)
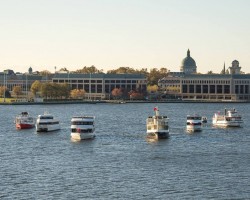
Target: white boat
(230,118)
(157,126)
(194,123)
(46,123)
(24,121)
(82,127)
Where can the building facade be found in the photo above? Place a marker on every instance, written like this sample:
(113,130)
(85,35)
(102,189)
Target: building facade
(185,85)
(100,86)
(96,86)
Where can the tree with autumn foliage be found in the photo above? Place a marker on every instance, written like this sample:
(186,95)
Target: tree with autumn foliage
(152,88)
(35,87)
(117,93)
(77,94)
(89,70)
(135,95)
(17,90)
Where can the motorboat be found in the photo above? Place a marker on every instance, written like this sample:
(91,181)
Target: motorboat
(82,127)
(157,126)
(194,123)
(230,118)
(46,123)
(24,121)
(204,119)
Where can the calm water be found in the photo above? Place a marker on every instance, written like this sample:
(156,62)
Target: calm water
(120,163)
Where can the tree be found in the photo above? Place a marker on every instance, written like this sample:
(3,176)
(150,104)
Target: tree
(35,87)
(55,90)
(45,72)
(17,90)
(117,93)
(152,88)
(2,90)
(155,74)
(77,94)
(135,95)
(64,90)
(89,70)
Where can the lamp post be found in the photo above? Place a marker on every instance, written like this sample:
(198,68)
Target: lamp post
(90,86)
(26,87)
(4,86)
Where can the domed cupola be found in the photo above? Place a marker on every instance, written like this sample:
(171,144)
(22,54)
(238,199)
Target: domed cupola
(235,68)
(30,70)
(188,65)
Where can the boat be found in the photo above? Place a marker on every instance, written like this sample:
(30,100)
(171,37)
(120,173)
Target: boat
(157,126)
(24,121)
(46,123)
(204,119)
(194,123)
(230,118)
(82,127)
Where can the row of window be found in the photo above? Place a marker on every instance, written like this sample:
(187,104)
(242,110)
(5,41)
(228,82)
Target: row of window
(207,81)
(170,81)
(219,89)
(92,81)
(108,88)
(242,82)
(212,89)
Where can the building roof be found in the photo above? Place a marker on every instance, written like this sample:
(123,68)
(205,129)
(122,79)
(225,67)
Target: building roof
(217,76)
(100,76)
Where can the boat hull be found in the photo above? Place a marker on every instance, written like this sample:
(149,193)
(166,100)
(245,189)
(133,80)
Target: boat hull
(194,128)
(227,124)
(158,134)
(82,136)
(25,126)
(47,128)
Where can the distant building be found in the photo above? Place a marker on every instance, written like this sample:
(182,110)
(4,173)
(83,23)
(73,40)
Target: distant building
(187,84)
(99,86)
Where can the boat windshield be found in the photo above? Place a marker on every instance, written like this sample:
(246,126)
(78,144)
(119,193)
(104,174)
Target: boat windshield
(193,118)
(46,117)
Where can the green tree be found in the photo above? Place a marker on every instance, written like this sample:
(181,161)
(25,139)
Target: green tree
(155,74)
(55,90)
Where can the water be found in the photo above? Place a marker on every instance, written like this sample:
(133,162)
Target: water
(120,163)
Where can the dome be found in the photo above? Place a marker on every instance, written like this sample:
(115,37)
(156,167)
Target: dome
(188,61)
(235,63)
(188,65)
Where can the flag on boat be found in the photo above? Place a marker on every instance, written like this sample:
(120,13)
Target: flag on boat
(155,108)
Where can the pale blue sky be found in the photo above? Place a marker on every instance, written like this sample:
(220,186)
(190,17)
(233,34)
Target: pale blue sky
(114,33)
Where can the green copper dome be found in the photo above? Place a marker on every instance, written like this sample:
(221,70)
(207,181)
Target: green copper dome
(188,65)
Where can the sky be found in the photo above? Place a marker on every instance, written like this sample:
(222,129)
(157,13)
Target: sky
(53,34)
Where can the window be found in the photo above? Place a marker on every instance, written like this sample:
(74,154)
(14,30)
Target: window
(184,88)
(191,88)
(219,89)
(212,89)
